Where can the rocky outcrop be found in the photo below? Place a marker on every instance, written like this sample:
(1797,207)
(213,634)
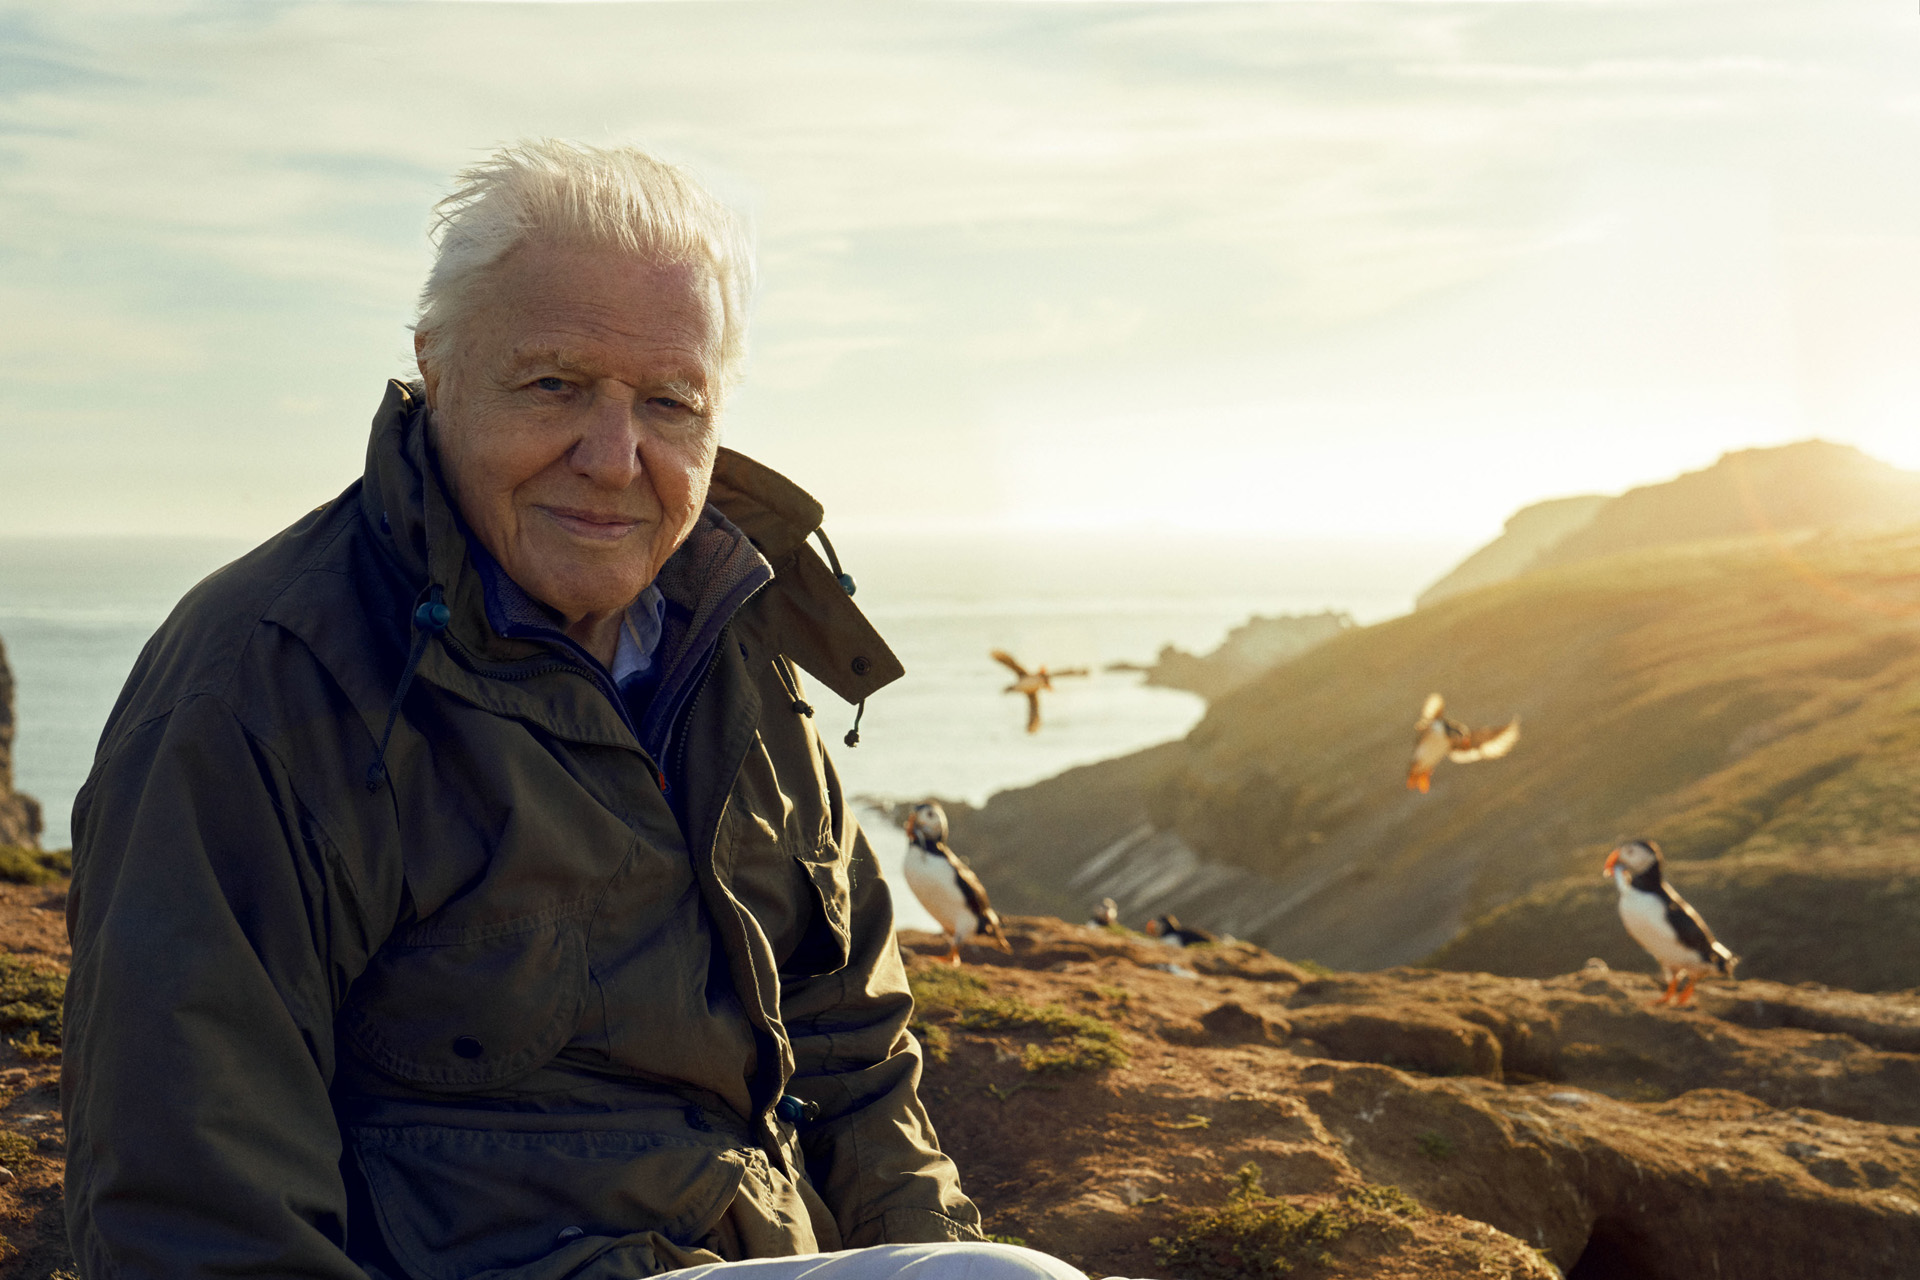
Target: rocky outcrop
(20,821)
(1564,1116)
(1251,649)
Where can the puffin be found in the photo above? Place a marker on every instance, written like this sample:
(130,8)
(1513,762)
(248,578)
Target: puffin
(1031,683)
(1661,921)
(1106,915)
(945,884)
(1169,930)
(1436,738)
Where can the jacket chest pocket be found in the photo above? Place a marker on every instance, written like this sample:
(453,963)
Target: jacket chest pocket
(827,944)
(778,855)
(473,1008)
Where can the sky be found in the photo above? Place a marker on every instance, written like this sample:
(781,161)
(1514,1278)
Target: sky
(1302,270)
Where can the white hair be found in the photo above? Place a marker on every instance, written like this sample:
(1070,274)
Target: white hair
(563,193)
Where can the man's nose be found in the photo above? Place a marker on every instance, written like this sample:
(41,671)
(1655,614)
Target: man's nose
(608,450)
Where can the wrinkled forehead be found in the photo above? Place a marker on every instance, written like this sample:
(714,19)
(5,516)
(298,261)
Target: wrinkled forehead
(575,305)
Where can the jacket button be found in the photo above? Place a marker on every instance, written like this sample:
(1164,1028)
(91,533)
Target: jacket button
(569,1233)
(468,1047)
(861,666)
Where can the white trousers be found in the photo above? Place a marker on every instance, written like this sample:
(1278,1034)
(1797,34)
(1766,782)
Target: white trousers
(954,1261)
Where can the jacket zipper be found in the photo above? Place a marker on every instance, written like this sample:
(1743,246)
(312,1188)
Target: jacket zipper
(685,718)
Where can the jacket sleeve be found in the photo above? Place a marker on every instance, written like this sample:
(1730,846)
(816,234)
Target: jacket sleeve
(871,1151)
(214,931)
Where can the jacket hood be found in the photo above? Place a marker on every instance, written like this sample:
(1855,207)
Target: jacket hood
(819,627)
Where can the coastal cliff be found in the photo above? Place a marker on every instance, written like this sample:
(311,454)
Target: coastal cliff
(20,822)
(1749,702)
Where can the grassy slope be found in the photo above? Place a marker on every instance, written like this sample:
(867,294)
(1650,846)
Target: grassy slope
(1738,701)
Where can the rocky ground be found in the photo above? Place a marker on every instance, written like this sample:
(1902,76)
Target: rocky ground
(1218,1112)
(1538,1123)
(33,941)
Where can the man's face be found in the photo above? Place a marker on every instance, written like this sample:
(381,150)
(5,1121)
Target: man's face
(575,421)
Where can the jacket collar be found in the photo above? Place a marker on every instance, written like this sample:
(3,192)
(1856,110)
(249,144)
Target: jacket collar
(816,624)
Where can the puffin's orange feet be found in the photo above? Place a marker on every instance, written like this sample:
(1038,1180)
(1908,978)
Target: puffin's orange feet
(1686,994)
(1667,997)
(953,956)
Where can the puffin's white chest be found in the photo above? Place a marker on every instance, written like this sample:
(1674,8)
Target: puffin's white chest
(933,882)
(1432,747)
(1645,916)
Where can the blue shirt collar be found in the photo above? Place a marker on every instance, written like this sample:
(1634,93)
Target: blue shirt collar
(640,633)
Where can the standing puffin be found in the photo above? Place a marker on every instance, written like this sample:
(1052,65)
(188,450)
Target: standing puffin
(946,885)
(1031,683)
(1436,738)
(1661,921)
(1169,930)
(1106,915)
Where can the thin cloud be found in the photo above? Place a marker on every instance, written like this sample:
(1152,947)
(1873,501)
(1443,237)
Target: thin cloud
(968,211)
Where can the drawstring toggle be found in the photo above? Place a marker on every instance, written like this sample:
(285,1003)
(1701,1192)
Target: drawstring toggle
(430,618)
(432,615)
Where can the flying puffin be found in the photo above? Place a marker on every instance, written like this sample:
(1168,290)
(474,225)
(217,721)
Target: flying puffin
(1436,738)
(1661,921)
(1169,930)
(1031,683)
(946,885)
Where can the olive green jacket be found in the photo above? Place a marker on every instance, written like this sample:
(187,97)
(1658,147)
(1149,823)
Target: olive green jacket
(516,996)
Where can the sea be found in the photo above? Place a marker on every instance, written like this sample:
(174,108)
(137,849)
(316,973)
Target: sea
(75,612)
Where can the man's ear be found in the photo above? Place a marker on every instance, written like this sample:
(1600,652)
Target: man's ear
(428,373)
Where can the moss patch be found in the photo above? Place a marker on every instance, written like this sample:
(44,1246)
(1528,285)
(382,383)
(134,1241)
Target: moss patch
(1256,1234)
(31,998)
(1076,1053)
(16,1149)
(1383,1198)
(933,1038)
(34,866)
(1079,1041)
(31,1045)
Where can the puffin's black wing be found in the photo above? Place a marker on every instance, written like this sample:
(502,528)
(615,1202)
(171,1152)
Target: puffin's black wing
(970,887)
(1688,926)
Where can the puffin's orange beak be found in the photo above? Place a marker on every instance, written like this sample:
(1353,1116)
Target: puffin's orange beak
(1612,860)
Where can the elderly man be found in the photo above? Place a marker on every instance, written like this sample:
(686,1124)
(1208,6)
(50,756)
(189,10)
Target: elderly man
(462,888)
